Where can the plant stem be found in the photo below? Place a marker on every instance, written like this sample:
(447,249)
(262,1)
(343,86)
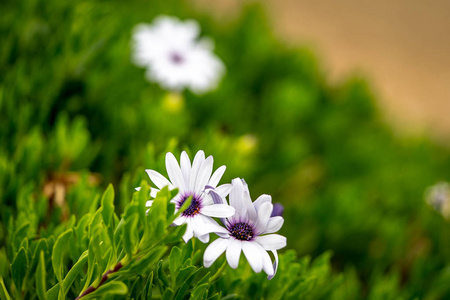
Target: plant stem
(219,272)
(102,281)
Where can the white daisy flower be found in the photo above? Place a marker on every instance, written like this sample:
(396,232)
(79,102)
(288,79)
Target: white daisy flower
(174,55)
(250,229)
(194,180)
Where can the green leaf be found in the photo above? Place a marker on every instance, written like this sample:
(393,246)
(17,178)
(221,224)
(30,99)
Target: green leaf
(96,220)
(161,275)
(41,246)
(129,229)
(52,294)
(168,294)
(91,264)
(19,268)
(59,249)
(184,280)
(142,196)
(149,287)
(95,248)
(174,263)
(41,277)
(199,291)
(80,229)
(108,289)
(19,235)
(107,205)
(4,295)
(75,270)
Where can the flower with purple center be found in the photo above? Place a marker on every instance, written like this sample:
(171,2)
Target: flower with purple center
(249,230)
(196,181)
(175,57)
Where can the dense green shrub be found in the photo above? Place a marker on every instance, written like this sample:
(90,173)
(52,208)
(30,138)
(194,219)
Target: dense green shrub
(76,114)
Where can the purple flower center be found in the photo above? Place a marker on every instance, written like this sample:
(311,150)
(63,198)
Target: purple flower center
(176,58)
(194,207)
(241,231)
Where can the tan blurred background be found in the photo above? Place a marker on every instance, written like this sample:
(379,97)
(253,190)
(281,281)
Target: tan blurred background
(403,46)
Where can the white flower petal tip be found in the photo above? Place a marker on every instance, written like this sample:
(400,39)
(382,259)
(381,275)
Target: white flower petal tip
(247,231)
(180,61)
(214,250)
(275,265)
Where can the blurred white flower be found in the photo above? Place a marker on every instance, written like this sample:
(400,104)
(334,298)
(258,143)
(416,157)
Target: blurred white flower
(438,196)
(174,55)
(194,180)
(251,230)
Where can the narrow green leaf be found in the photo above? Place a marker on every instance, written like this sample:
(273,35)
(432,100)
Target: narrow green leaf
(4,295)
(52,293)
(129,229)
(75,270)
(174,262)
(199,291)
(108,289)
(91,264)
(184,280)
(161,275)
(41,277)
(19,268)
(19,235)
(107,204)
(168,294)
(205,279)
(80,229)
(142,198)
(59,249)
(149,286)
(41,246)
(4,263)
(96,219)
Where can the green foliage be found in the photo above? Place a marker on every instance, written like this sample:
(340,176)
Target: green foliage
(76,114)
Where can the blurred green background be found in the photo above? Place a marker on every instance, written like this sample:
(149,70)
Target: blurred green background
(76,114)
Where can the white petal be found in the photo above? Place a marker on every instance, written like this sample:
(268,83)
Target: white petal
(234,252)
(274,224)
(224,189)
(138,189)
(159,180)
(214,250)
(189,232)
(153,192)
(208,200)
(264,212)
(236,195)
(275,265)
(196,164)
(216,176)
(208,225)
(262,199)
(179,221)
(267,264)
(174,172)
(149,203)
(204,174)
(198,225)
(204,238)
(271,241)
(251,211)
(218,210)
(253,253)
(185,165)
